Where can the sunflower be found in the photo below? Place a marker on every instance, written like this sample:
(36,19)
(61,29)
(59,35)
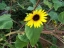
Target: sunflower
(36,18)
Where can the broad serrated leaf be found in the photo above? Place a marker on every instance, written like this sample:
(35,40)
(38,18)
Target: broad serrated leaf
(53,15)
(61,17)
(2,6)
(30,8)
(33,34)
(23,37)
(57,4)
(5,21)
(49,4)
(19,43)
(33,1)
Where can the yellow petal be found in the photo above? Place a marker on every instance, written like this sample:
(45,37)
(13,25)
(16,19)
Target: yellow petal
(30,23)
(29,18)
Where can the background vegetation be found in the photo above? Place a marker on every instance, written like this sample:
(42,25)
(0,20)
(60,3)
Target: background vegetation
(12,14)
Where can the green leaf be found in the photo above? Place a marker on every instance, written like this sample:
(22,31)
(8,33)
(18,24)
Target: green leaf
(39,7)
(57,4)
(63,3)
(20,5)
(7,8)
(30,8)
(61,17)
(2,6)
(54,40)
(49,4)
(23,37)
(33,34)
(5,21)
(19,43)
(53,15)
(33,1)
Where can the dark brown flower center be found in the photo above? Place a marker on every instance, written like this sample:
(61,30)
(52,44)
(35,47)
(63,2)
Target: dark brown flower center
(36,17)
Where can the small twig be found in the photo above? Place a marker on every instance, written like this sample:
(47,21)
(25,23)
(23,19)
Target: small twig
(48,41)
(36,5)
(10,6)
(22,26)
(15,32)
(11,33)
(49,21)
(10,13)
(44,32)
(35,47)
(59,26)
(50,9)
(59,38)
(27,46)
(21,32)
(17,23)
(52,33)
(9,40)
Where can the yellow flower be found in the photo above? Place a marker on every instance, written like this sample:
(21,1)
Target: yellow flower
(36,18)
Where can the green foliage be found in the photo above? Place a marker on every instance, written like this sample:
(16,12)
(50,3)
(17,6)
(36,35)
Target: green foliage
(33,1)
(33,34)
(23,37)
(6,21)
(39,7)
(53,3)
(2,6)
(19,43)
(53,15)
(32,7)
(54,40)
(61,17)
(49,4)
(12,14)
(57,4)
